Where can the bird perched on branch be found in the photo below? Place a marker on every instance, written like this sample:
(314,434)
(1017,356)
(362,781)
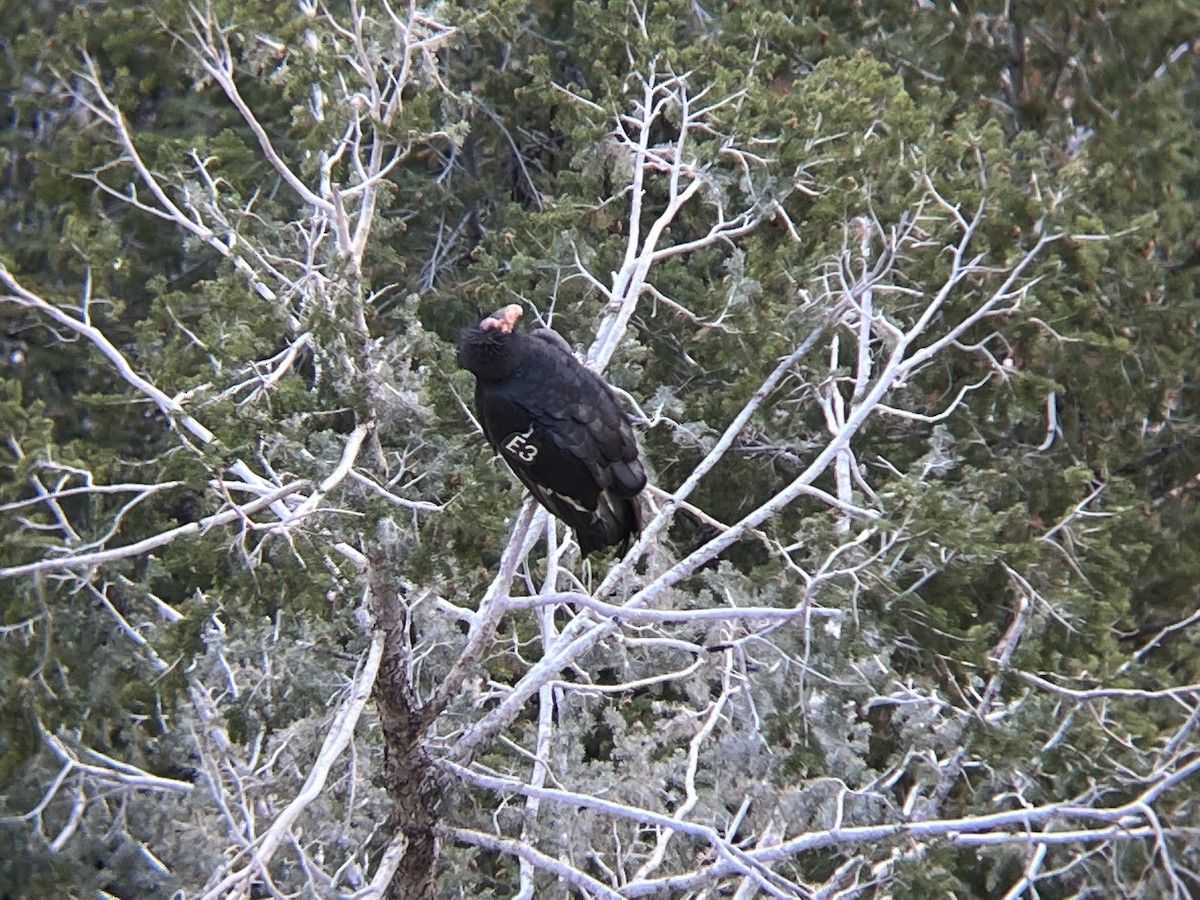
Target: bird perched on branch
(557,425)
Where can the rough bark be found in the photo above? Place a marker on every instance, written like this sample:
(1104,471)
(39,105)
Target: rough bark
(408,773)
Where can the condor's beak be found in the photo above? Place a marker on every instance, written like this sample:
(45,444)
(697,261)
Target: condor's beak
(504,319)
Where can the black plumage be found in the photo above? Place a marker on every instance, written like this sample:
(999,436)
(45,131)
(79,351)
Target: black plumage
(557,425)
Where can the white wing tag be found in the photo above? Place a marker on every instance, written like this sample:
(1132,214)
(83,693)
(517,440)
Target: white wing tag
(520,447)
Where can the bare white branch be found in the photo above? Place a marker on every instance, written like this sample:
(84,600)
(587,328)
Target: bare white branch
(340,733)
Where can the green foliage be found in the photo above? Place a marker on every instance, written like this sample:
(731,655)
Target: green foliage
(509,174)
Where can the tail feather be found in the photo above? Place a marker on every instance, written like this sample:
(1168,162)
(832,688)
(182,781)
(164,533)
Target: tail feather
(615,521)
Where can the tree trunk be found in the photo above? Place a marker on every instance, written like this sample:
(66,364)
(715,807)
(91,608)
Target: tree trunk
(408,774)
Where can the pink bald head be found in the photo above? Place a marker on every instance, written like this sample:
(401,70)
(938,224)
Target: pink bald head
(504,319)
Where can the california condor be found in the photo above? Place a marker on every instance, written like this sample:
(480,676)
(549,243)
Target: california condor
(557,425)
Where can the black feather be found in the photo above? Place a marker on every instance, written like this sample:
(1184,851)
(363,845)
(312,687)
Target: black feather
(558,426)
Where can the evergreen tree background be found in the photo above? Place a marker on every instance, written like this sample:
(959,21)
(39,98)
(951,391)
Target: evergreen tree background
(275,622)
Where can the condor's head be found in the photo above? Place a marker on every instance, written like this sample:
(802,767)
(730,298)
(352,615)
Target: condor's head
(492,349)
